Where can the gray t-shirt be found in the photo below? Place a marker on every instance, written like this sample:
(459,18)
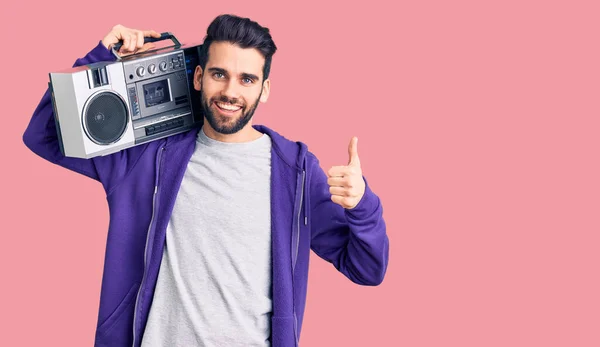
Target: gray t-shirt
(214,284)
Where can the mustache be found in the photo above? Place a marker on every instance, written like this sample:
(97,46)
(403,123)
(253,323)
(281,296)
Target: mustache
(225,100)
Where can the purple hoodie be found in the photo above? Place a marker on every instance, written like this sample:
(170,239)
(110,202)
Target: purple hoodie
(141,185)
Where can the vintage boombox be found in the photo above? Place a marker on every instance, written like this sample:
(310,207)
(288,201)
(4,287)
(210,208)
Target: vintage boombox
(106,107)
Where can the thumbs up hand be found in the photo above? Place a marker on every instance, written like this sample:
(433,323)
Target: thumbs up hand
(346,183)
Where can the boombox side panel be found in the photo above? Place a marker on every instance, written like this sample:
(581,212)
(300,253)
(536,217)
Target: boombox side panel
(68,114)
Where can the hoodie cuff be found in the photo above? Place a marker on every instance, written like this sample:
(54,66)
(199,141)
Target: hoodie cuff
(99,53)
(367,204)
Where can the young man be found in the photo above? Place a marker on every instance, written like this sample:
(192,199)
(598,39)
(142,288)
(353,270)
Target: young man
(210,230)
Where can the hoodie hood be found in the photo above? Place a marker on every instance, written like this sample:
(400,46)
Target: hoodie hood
(293,153)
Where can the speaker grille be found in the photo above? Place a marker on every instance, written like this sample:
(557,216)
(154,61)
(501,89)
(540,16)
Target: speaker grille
(105,118)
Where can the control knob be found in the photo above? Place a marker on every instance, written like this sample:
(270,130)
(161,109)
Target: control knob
(140,71)
(163,66)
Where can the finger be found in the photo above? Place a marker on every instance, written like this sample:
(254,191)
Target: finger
(125,40)
(337,181)
(140,40)
(339,191)
(151,33)
(146,47)
(340,200)
(338,171)
(125,45)
(132,42)
(114,39)
(353,152)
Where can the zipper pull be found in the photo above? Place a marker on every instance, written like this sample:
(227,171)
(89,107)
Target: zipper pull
(305,187)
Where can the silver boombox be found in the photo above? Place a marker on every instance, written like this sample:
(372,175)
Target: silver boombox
(106,107)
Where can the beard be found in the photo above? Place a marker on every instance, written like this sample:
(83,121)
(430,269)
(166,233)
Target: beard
(226,125)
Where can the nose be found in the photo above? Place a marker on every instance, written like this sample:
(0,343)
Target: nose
(232,89)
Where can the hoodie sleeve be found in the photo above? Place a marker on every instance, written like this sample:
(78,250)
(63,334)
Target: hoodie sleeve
(355,240)
(41,136)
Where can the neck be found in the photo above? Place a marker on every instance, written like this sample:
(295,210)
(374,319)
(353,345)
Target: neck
(247,134)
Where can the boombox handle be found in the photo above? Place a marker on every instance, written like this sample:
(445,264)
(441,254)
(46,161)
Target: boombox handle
(163,36)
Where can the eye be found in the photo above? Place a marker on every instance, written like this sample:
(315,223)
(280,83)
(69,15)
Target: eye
(218,75)
(247,80)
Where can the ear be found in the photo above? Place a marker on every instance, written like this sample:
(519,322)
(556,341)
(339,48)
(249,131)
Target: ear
(266,90)
(197,78)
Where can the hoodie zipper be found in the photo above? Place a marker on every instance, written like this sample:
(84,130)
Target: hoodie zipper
(150,227)
(296,240)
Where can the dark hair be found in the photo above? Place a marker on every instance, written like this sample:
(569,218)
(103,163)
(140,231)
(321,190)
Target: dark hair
(242,32)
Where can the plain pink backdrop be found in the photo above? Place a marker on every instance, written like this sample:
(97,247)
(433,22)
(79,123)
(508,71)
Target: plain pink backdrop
(478,126)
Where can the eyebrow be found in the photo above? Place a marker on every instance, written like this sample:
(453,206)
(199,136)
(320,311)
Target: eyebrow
(217,69)
(243,74)
(250,76)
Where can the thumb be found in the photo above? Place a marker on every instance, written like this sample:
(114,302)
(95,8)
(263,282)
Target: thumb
(353,152)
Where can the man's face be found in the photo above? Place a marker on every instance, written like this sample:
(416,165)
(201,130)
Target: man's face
(231,86)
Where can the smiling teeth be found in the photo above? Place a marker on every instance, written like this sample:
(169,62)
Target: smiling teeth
(228,107)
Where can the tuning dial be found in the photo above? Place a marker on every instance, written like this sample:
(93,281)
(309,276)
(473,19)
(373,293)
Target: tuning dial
(152,68)
(163,66)
(140,71)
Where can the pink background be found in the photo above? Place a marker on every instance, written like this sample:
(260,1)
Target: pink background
(478,127)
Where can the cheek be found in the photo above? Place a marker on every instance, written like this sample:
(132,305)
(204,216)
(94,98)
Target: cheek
(208,90)
(209,87)
(252,95)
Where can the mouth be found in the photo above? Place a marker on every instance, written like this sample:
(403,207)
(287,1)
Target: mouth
(227,109)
